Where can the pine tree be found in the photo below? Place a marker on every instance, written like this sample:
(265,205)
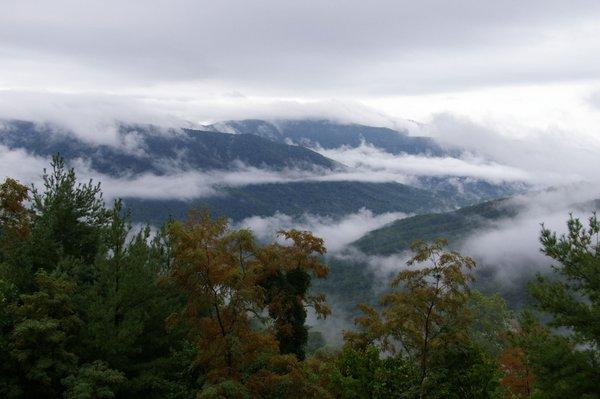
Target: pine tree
(44,337)
(126,305)
(69,218)
(573,299)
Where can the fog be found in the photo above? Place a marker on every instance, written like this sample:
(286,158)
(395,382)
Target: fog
(376,161)
(511,247)
(337,233)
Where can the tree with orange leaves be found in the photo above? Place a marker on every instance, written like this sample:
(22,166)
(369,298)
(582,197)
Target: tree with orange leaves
(14,216)
(222,276)
(285,277)
(518,377)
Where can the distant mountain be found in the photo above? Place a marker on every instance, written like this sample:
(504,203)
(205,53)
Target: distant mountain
(328,135)
(466,190)
(142,149)
(454,226)
(149,149)
(334,199)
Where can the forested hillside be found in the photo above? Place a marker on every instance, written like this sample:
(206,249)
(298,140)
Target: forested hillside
(328,135)
(93,308)
(456,225)
(253,172)
(297,198)
(151,149)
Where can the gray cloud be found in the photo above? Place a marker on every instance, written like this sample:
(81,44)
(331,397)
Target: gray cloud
(553,156)
(594,100)
(94,116)
(298,48)
(511,247)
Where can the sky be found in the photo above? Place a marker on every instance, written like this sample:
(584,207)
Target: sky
(517,64)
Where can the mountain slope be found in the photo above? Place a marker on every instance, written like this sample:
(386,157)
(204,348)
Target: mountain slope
(454,226)
(328,135)
(333,199)
(148,149)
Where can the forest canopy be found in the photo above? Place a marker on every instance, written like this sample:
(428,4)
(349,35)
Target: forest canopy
(93,307)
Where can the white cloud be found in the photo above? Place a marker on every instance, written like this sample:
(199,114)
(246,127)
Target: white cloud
(337,233)
(511,247)
(20,165)
(376,161)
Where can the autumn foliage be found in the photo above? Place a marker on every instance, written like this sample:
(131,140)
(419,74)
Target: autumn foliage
(93,307)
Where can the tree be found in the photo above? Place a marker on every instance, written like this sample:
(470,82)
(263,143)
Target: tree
(491,321)
(573,299)
(42,342)
(93,381)
(125,304)
(214,270)
(424,313)
(357,373)
(69,218)
(540,364)
(15,225)
(222,275)
(285,277)
(464,370)
(15,218)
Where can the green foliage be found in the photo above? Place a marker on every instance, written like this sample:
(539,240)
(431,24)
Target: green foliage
(81,297)
(92,308)
(573,299)
(566,365)
(551,366)
(93,381)
(398,236)
(425,322)
(490,321)
(286,281)
(43,339)
(69,217)
(289,286)
(464,371)
(363,373)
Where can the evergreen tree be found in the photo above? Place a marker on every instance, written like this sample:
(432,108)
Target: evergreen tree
(573,298)
(44,337)
(69,219)
(566,364)
(125,304)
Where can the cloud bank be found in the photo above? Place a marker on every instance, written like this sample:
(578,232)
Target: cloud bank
(310,47)
(369,158)
(337,233)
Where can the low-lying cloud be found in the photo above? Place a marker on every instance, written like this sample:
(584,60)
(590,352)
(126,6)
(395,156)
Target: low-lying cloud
(337,233)
(511,247)
(549,156)
(376,161)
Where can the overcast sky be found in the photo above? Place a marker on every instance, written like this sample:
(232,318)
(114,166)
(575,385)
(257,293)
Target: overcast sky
(520,68)
(301,49)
